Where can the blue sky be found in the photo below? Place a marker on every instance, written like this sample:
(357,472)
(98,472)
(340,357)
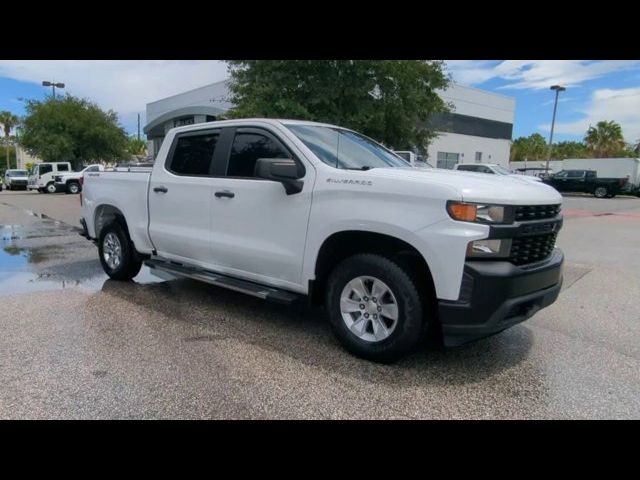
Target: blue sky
(596,90)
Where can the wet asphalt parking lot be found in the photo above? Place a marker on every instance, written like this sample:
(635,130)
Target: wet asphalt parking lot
(74,344)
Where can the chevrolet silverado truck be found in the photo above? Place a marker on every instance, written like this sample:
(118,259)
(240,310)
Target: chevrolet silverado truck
(586,181)
(286,210)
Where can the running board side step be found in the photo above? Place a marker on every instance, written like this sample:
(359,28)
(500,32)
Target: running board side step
(243,286)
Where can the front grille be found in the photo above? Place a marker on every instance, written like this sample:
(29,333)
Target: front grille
(536,212)
(533,248)
(19,182)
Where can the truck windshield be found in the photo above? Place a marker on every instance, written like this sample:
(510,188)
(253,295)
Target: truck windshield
(345,149)
(16,173)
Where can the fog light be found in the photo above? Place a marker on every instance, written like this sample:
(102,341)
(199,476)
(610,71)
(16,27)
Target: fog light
(489,248)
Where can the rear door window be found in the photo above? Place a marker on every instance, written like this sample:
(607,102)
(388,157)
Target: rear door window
(63,167)
(193,154)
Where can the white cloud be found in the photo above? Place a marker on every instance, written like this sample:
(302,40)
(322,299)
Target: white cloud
(125,86)
(621,106)
(536,74)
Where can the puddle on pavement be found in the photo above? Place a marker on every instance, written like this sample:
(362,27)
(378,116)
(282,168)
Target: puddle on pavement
(14,281)
(17,274)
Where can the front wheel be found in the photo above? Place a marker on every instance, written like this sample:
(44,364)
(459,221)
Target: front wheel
(116,252)
(51,187)
(375,308)
(601,192)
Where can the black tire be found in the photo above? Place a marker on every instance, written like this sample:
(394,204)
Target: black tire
(408,330)
(50,188)
(73,188)
(129,265)
(601,192)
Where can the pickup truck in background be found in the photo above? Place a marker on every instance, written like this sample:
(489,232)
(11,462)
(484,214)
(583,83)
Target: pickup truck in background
(71,182)
(286,210)
(586,181)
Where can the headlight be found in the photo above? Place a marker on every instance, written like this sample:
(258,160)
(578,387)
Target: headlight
(480,213)
(489,248)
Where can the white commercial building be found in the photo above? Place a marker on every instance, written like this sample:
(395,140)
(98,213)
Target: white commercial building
(478,129)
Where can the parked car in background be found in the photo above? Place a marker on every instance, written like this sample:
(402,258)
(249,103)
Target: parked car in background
(15,179)
(491,168)
(70,182)
(586,181)
(42,176)
(283,210)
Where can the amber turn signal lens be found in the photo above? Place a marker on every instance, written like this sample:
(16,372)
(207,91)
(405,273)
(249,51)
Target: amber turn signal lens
(465,212)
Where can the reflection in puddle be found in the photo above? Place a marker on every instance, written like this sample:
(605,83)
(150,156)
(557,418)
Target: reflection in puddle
(20,281)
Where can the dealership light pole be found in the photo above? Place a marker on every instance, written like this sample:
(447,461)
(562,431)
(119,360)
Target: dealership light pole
(53,85)
(558,89)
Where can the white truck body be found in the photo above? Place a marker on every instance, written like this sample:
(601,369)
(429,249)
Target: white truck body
(261,234)
(42,176)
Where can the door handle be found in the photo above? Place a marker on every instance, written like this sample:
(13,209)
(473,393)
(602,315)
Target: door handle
(225,193)
(160,189)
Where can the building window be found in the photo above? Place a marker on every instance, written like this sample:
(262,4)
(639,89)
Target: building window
(478,157)
(447,160)
(179,122)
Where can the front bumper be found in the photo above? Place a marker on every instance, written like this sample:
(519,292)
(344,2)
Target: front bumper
(496,295)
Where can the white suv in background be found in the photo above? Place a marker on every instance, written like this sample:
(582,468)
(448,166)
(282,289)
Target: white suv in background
(15,179)
(491,168)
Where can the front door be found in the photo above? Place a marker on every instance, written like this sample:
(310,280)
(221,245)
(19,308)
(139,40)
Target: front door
(258,231)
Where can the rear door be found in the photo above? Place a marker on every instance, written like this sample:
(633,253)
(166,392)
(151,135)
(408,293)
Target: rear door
(180,198)
(258,231)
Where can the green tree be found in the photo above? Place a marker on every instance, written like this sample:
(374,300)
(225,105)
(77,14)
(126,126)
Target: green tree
(533,147)
(605,139)
(568,149)
(389,100)
(72,129)
(136,146)
(8,121)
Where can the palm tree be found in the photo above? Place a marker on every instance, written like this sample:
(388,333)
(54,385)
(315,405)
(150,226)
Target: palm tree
(605,139)
(8,120)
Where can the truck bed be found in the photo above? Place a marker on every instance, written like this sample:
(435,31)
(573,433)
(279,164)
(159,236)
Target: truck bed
(125,190)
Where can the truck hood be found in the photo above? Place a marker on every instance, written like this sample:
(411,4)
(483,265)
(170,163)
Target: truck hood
(476,187)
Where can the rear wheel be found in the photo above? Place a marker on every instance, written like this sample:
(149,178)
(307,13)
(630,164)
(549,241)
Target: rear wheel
(117,254)
(375,309)
(601,192)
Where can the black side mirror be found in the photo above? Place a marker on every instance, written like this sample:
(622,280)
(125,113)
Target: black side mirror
(283,170)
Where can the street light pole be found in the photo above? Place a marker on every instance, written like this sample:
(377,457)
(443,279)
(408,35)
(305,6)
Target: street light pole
(558,89)
(53,85)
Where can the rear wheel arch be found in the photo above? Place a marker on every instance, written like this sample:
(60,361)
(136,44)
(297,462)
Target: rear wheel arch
(106,214)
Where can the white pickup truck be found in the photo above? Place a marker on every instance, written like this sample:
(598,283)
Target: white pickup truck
(70,182)
(284,209)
